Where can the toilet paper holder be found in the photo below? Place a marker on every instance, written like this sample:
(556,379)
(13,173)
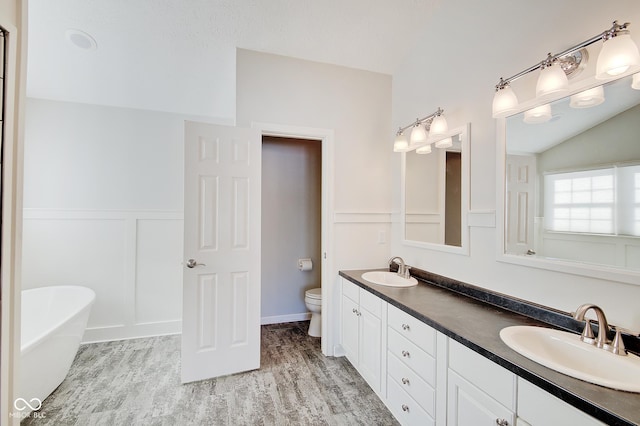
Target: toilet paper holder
(305,264)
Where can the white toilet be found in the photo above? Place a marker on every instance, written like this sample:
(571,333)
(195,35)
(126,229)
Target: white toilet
(313,301)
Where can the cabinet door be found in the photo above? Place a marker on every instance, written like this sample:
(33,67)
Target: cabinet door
(350,330)
(370,348)
(556,411)
(469,406)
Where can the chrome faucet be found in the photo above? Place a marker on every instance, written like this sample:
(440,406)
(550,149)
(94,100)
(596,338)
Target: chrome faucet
(603,326)
(403,269)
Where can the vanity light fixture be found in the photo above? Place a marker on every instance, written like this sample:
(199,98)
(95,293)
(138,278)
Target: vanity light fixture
(444,143)
(552,78)
(424,149)
(618,55)
(432,127)
(587,98)
(536,115)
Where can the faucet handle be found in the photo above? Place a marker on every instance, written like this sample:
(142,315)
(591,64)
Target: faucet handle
(587,334)
(617,346)
(407,273)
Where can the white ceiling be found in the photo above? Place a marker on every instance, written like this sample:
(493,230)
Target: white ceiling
(179,55)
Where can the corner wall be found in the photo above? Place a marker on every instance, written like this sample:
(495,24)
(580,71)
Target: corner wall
(356,106)
(459,73)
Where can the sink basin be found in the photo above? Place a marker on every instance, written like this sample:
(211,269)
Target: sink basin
(390,279)
(567,354)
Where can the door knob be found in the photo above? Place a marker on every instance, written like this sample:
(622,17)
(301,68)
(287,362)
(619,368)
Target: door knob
(192,263)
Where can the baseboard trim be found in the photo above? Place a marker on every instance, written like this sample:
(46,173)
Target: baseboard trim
(285,318)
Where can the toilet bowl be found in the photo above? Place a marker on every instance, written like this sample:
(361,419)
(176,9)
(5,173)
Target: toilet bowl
(313,301)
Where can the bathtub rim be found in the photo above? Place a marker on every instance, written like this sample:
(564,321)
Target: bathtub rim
(27,347)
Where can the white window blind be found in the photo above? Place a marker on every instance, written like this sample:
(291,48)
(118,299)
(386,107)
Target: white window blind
(600,201)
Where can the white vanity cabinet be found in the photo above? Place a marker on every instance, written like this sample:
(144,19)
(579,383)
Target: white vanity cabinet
(537,407)
(480,392)
(411,368)
(363,316)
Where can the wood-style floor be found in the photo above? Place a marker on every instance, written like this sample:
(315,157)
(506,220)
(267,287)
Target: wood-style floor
(137,382)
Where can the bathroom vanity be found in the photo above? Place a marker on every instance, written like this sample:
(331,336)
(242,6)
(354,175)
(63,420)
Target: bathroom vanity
(433,354)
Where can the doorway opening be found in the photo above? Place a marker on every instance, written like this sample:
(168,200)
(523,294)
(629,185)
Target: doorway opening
(291,226)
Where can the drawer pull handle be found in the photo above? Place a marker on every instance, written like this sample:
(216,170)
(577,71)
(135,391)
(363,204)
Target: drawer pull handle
(502,422)
(405,354)
(405,381)
(405,327)
(405,408)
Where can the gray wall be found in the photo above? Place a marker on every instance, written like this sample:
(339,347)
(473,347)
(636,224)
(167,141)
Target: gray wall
(291,219)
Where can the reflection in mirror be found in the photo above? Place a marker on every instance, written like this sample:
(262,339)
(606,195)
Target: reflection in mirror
(435,191)
(573,179)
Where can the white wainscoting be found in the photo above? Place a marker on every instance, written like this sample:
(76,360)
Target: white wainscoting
(131,259)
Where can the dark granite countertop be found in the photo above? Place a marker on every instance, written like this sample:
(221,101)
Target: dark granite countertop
(477,325)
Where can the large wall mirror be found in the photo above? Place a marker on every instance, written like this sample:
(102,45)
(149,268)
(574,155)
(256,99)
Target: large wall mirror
(435,193)
(572,184)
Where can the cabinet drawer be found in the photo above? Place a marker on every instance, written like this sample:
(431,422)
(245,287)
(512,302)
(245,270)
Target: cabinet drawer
(351,290)
(411,383)
(371,303)
(413,357)
(413,329)
(494,380)
(405,408)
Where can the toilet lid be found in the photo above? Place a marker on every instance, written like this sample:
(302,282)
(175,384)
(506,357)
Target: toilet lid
(314,293)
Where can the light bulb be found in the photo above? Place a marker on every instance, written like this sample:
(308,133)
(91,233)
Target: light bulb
(619,54)
(539,114)
(439,127)
(504,102)
(587,98)
(425,149)
(552,80)
(418,134)
(635,83)
(400,144)
(444,143)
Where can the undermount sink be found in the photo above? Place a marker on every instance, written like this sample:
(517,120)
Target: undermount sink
(390,279)
(567,354)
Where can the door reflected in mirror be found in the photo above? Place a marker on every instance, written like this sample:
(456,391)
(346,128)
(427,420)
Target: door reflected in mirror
(573,181)
(435,192)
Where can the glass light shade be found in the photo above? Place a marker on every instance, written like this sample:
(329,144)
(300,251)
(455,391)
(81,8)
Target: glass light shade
(635,84)
(439,126)
(587,98)
(539,114)
(425,149)
(444,143)
(618,55)
(418,134)
(504,102)
(401,144)
(552,80)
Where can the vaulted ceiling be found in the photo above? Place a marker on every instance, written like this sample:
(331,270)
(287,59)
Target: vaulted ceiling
(179,55)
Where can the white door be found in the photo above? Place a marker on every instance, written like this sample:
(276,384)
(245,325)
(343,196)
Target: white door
(520,201)
(221,286)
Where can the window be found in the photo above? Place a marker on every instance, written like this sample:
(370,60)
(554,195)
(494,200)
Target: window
(601,201)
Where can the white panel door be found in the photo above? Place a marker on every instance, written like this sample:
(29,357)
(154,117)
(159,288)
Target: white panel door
(521,186)
(221,293)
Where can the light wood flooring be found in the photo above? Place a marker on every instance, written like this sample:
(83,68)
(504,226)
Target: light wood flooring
(137,382)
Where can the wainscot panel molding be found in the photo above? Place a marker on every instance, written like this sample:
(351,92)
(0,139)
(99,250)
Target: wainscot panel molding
(372,217)
(132,259)
(482,218)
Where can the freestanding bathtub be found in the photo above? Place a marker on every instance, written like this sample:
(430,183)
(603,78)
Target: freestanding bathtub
(53,322)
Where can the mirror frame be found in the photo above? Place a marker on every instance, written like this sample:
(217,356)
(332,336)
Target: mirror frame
(465,136)
(608,273)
